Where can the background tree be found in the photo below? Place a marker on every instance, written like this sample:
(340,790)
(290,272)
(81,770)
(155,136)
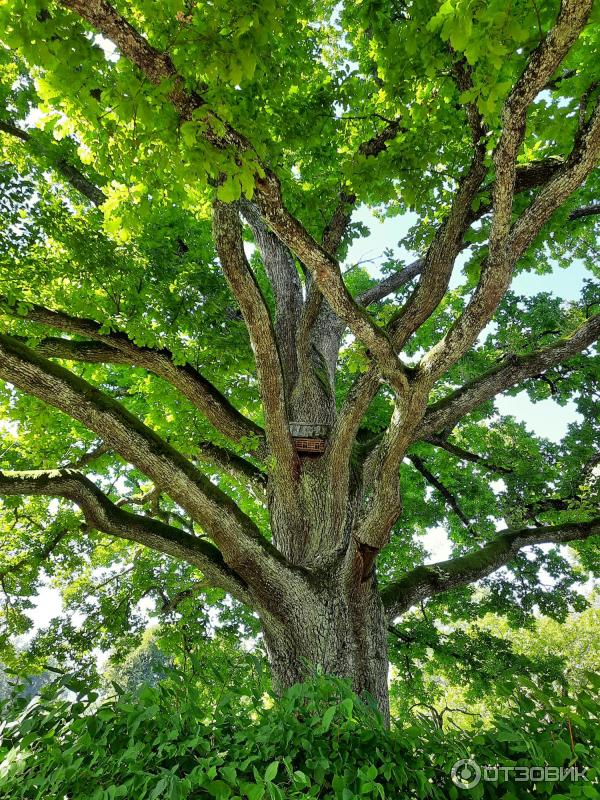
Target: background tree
(154,363)
(469,673)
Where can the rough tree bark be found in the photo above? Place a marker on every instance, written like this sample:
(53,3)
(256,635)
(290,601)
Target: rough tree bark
(314,586)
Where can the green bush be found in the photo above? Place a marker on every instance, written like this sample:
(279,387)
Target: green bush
(320,740)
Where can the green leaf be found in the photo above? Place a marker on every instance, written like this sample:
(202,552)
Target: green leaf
(229,191)
(327,718)
(159,788)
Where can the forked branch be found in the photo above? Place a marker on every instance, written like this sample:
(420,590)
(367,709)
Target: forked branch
(104,516)
(507,243)
(236,535)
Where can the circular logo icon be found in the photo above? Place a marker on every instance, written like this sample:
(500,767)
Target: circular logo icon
(466,773)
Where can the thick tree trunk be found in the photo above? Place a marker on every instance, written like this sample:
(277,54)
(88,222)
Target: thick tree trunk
(338,628)
(331,621)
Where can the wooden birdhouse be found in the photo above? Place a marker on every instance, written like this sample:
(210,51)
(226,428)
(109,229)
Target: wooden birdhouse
(309,439)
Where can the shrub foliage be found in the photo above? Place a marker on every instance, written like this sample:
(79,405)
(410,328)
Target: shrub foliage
(168,743)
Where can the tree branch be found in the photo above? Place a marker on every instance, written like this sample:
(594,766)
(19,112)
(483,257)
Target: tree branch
(45,552)
(228,239)
(542,63)
(117,348)
(384,504)
(158,67)
(237,466)
(340,219)
(154,64)
(585,211)
(410,402)
(442,489)
(466,455)
(241,543)
(319,314)
(71,174)
(429,580)
(513,369)
(285,281)
(328,278)
(103,515)
(582,160)
(391,284)
(87,458)
(528,176)
(506,243)
(171,604)
(338,224)
(438,263)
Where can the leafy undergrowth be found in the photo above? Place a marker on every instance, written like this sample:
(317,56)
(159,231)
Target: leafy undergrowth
(318,741)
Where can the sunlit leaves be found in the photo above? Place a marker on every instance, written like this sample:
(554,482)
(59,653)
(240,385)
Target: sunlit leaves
(307,84)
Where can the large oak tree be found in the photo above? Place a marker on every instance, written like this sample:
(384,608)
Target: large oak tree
(181,183)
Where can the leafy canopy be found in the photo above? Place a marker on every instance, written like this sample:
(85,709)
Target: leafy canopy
(307,83)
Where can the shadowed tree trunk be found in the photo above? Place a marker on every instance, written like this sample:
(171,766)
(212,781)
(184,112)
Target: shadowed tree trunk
(337,631)
(337,624)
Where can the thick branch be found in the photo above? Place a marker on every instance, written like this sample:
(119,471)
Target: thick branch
(435,269)
(238,538)
(528,177)
(582,160)
(158,67)
(429,580)
(104,516)
(285,281)
(227,231)
(117,348)
(512,370)
(155,65)
(542,63)
(384,505)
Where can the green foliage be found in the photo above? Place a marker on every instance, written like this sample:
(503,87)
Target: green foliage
(319,740)
(308,83)
(476,666)
(147,665)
